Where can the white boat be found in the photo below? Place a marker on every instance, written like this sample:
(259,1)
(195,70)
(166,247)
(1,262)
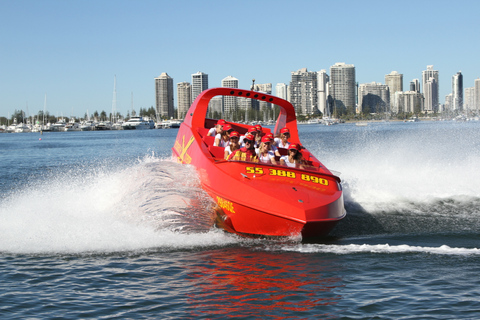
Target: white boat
(22,128)
(167,124)
(329,121)
(72,125)
(59,125)
(136,123)
(11,128)
(117,125)
(104,125)
(87,125)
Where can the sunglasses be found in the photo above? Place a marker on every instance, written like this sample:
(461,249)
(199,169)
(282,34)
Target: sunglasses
(233,138)
(247,141)
(294,150)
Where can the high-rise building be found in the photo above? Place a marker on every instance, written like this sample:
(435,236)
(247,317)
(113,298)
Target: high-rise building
(199,84)
(415,85)
(432,96)
(229,103)
(430,91)
(448,102)
(281,90)
(408,102)
(469,101)
(477,94)
(164,96)
(394,81)
(373,97)
(265,88)
(457,92)
(184,98)
(322,91)
(303,91)
(342,87)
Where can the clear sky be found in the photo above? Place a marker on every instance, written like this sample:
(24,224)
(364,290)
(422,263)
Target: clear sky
(71,50)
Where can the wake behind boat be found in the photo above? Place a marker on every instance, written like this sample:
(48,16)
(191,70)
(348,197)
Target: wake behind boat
(258,198)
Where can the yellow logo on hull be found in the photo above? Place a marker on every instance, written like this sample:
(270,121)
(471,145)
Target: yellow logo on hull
(225,204)
(182,150)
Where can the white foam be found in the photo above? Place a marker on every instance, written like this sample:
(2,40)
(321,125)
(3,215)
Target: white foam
(137,208)
(379,248)
(411,167)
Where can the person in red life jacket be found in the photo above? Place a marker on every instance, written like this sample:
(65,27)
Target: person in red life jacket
(223,139)
(234,145)
(265,155)
(282,141)
(217,129)
(294,159)
(252,130)
(246,153)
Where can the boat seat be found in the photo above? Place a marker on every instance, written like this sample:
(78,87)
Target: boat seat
(209,140)
(217,152)
(283,151)
(203,132)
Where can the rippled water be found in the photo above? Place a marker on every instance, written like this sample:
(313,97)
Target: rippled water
(105,225)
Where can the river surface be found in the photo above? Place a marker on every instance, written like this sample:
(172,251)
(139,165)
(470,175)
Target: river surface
(104,225)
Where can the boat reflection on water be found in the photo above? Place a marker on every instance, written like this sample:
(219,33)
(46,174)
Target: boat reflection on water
(239,282)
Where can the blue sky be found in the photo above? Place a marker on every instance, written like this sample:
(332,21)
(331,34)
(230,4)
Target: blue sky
(71,50)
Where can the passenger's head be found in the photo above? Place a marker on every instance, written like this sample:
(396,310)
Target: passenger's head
(249,141)
(259,129)
(219,125)
(293,150)
(234,136)
(227,128)
(252,130)
(285,134)
(265,144)
(270,136)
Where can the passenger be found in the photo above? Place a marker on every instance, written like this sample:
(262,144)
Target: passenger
(234,145)
(294,158)
(282,142)
(265,155)
(246,153)
(252,130)
(258,138)
(217,129)
(273,146)
(223,139)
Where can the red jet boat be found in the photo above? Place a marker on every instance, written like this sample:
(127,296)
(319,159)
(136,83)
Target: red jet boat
(256,198)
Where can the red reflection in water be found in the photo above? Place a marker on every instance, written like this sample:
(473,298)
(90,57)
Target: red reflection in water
(245,283)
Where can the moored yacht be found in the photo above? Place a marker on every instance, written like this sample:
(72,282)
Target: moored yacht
(136,123)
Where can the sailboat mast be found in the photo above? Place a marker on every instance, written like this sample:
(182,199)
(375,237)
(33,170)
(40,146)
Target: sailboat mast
(114,100)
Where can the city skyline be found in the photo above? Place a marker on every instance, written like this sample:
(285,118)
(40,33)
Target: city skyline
(71,51)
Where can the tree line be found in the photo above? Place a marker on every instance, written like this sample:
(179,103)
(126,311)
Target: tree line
(21,116)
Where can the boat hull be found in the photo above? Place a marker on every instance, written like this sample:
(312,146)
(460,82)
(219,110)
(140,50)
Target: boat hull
(260,199)
(264,200)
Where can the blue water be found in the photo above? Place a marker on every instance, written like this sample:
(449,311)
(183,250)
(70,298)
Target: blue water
(100,225)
